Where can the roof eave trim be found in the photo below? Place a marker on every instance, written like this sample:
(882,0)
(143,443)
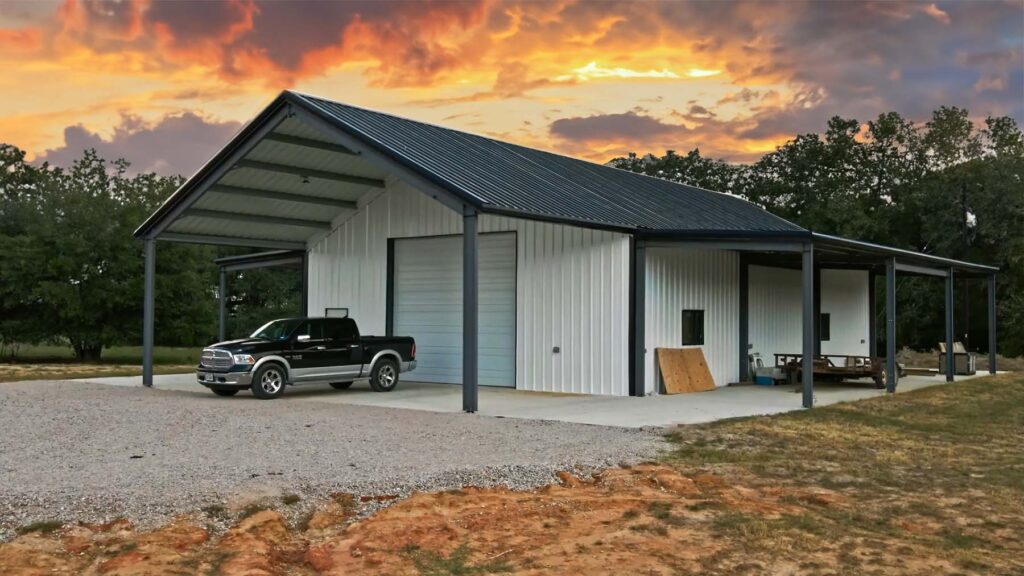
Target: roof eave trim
(900,252)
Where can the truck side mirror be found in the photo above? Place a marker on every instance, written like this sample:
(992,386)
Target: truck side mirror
(302,338)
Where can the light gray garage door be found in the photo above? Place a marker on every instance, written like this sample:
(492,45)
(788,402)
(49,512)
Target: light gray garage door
(428,306)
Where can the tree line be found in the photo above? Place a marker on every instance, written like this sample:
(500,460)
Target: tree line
(71,272)
(945,187)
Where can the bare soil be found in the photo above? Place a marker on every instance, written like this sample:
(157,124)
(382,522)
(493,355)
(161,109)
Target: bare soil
(929,482)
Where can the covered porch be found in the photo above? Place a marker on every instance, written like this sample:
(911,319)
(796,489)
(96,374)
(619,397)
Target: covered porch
(805,256)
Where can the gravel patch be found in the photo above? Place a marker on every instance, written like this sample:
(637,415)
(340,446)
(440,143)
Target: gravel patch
(76,451)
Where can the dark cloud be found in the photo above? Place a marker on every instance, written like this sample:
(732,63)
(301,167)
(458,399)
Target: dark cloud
(611,127)
(177,144)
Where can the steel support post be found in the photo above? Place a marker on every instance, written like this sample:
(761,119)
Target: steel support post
(950,356)
(149,287)
(809,321)
(890,325)
(470,309)
(222,305)
(992,324)
(638,292)
(745,375)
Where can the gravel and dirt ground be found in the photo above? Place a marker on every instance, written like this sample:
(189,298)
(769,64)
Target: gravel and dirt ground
(79,451)
(924,483)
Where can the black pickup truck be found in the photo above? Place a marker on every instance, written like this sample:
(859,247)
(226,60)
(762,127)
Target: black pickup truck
(295,351)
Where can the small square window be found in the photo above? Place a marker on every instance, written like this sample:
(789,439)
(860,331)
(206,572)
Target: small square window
(825,327)
(693,327)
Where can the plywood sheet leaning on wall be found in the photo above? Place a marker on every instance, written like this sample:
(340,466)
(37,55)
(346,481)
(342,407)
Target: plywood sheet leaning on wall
(684,370)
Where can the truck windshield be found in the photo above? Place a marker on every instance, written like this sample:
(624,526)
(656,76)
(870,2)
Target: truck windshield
(276,329)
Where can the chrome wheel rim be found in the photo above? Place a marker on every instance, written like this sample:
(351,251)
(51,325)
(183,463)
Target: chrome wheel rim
(386,376)
(271,381)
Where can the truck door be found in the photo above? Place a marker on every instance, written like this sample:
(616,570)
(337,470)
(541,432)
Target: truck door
(343,348)
(308,351)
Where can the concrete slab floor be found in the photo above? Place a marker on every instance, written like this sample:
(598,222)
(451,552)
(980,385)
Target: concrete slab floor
(648,411)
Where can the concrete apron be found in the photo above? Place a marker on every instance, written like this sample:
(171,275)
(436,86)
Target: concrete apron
(623,411)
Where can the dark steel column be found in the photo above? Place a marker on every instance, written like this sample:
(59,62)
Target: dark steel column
(890,325)
(817,310)
(149,286)
(950,357)
(470,285)
(744,327)
(807,371)
(872,316)
(638,294)
(992,324)
(222,305)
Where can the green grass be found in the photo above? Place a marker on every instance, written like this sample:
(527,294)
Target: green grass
(939,471)
(44,527)
(457,563)
(49,353)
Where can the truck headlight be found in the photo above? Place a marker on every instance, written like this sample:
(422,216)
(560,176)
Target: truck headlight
(244,359)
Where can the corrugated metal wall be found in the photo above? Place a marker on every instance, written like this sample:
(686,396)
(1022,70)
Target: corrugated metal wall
(776,308)
(686,279)
(572,287)
(844,295)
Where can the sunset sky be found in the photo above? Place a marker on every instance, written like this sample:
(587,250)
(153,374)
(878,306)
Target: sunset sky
(165,84)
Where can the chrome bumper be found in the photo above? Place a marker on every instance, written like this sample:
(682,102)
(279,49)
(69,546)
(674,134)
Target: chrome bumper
(406,366)
(236,379)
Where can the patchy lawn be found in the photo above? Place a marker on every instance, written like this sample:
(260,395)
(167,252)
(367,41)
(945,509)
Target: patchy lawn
(131,355)
(929,482)
(15,372)
(52,362)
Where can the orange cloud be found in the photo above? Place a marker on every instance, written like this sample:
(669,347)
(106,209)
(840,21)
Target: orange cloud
(23,40)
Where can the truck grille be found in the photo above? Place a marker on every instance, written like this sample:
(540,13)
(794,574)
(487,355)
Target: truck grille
(213,358)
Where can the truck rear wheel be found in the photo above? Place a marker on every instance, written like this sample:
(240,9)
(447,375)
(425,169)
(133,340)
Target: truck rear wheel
(384,376)
(268,382)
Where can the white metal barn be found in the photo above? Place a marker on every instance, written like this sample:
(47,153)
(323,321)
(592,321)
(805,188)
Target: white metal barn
(521,268)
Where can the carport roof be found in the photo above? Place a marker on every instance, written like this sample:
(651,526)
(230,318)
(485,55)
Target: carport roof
(489,175)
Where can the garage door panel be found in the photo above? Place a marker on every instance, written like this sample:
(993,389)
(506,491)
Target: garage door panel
(428,306)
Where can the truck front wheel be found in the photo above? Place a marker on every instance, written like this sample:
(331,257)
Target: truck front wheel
(268,382)
(384,376)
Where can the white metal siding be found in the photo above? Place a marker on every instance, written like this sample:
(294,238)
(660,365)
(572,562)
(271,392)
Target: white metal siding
(776,309)
(844,295)
(687,279)
(571,292)
(428,306)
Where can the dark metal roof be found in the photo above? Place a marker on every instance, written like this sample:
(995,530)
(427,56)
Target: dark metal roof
(503,178)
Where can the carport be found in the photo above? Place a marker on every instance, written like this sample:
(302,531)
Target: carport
(348,189)
(284,181)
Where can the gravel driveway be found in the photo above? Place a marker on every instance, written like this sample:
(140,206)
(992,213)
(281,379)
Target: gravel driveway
(84,451)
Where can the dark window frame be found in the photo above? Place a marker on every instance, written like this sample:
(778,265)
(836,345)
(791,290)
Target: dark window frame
(824,326)
(694,336)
